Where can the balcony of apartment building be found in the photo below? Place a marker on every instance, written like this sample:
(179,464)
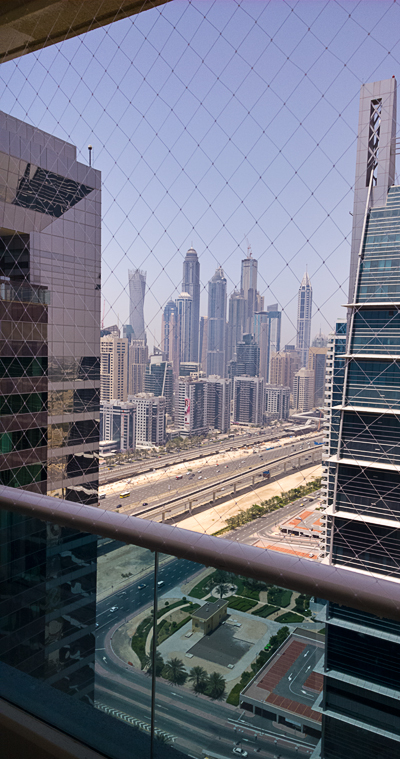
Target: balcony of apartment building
(99,653)
(165,701)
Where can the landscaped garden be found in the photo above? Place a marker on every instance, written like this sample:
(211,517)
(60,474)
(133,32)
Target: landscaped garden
(164,629)
(289,618)
(241,604)
(265,611)
(279,597)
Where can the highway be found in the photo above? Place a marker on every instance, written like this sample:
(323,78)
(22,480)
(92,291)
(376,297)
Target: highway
(163,486)
(192,723)
(206,449)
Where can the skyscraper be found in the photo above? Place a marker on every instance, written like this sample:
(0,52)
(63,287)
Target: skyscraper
(191,406)
(247,360)
(113,368)
(361,684)
(203,342)
(50,380)
(138,356)
(159,380)
(303,390)
(216,355)
(191,285)
(267,335)
(217,413)
(248,286)
(137,291)
(169,334)
(248,400)
(236,320)
(317,362)
(283,366)
(184,305)
(304,309)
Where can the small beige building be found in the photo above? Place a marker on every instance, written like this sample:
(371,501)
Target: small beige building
(208,617)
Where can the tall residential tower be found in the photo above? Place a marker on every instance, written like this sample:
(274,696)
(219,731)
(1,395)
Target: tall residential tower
(137,291)
(304,310)
(191,285)
(216,347)
(248,286)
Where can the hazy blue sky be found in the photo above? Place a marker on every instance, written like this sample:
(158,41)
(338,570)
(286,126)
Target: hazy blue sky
(214,123)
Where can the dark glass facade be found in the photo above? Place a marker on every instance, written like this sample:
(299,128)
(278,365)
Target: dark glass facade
(363,515)
(49,405)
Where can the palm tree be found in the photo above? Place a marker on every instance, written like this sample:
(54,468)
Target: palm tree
(222,589)
(198,676)
(148,662)
(174,671)
(215,685)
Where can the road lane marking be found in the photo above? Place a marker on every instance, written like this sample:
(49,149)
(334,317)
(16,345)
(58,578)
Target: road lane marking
(132,720)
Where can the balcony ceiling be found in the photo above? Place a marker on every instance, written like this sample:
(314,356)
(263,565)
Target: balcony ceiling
(27,25)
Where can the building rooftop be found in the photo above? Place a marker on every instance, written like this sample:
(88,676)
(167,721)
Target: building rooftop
(209,609)
(288,680)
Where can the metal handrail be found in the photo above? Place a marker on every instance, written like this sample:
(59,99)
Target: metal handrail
(365,592)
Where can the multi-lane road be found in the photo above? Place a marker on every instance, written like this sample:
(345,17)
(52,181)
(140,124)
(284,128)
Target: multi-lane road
(207,449)
(193,723)
(165,485)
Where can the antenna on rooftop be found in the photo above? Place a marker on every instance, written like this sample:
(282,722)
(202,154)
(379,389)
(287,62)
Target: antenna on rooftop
(249,250)
(90,148)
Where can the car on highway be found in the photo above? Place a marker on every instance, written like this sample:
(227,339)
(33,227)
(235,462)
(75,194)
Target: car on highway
(239,751)
(125,494)
(160,583)
(179,476)
(141,586)
(114,608)
(102,496)
(145,503)
(200,478)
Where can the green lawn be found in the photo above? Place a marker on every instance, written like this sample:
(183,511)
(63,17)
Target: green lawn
(201,589)
(279,597)
(289,618)
(247,592)
(265,610)
(241,604)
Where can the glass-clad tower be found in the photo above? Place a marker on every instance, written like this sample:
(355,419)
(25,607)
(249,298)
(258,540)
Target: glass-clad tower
(216,356)
(361,700)
(50,290)
(304,311)
(137,291)
(191,285)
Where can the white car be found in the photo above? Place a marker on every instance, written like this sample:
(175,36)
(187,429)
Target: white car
(114,608)
(239,751)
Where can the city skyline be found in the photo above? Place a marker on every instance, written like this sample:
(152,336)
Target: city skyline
(281,197)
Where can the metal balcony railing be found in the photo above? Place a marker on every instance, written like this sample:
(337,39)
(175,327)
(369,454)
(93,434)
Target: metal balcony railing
(376,595)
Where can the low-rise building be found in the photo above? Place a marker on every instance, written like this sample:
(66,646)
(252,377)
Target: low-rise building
(209,617)
(286,689)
